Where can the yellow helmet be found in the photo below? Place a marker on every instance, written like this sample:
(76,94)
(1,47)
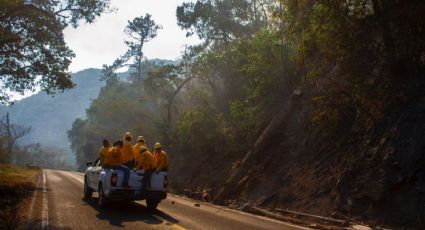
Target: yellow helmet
(140,138)
(142,149)
(127,134)
(158,145)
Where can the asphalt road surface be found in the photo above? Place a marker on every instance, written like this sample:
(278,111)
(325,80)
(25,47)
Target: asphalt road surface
(58,204)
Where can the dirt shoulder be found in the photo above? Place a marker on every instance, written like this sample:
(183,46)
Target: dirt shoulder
(16,187)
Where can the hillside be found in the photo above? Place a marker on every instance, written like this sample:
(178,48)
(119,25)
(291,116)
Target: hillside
(50,117)
(369,169)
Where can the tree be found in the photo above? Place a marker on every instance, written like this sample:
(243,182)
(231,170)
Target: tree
(33,53)
(223,20)
(139,31)
(118,108)
(166,82)
(36,154)
(10,133)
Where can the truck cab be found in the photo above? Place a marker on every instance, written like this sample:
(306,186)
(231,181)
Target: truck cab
(108,183)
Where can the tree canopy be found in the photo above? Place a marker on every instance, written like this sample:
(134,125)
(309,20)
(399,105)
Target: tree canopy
(139,31)
(33,53)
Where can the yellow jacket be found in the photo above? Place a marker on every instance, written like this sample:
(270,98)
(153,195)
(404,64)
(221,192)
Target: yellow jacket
(113,156)
(126,152)
(136,149)
(145,160)
(103,155)
(161,160)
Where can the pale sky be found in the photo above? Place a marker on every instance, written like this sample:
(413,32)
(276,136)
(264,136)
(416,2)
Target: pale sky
(103,41)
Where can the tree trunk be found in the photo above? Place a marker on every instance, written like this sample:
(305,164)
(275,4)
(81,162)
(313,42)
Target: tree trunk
(139,66)
(381,11)
(173,96)
(9,138)
(169,106)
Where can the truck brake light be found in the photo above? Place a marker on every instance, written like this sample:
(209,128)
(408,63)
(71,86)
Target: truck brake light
(114,179)
(165,181)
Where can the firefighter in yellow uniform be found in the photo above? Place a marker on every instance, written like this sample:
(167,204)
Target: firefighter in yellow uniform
(145,161)
(104,160)
(127,157)
(136,147)
(161,158)
(114,160)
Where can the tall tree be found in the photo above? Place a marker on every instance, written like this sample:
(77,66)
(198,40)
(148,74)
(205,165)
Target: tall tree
(33,53)
(139,31)
(166,83)
(10,133)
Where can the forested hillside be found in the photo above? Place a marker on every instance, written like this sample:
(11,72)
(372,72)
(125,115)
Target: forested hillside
(316,106)
(50,117)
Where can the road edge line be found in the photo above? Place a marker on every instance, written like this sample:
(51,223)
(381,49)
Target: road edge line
(31,210)
(45,214)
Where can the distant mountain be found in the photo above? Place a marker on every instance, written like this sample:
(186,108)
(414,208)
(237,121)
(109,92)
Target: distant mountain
(50,117)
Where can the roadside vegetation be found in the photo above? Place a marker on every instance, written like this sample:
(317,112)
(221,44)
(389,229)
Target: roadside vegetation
(16,184)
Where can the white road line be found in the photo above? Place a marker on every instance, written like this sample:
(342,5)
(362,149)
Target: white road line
(45,213)
(31,211)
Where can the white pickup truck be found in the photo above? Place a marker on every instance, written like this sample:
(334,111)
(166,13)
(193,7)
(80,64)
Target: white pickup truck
(108,183)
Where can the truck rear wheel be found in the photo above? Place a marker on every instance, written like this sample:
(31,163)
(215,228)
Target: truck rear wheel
(152,204)
(102,199)
(88,192)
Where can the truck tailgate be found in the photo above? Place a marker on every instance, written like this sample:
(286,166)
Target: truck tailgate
(157,181)
(136,177)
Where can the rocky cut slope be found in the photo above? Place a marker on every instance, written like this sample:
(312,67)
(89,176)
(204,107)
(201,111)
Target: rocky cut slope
(368,169)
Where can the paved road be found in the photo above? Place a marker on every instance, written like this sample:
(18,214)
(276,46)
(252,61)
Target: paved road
(59,204)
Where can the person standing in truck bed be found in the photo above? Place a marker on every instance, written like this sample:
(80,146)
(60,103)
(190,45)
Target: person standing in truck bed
(115,161)
(136,147)
(104,152)
(161,158)
(145,161)
(127,157)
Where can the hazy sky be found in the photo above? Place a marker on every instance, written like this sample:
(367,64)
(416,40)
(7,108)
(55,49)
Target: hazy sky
(103,41)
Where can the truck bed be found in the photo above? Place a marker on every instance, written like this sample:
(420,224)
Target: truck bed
(136,177)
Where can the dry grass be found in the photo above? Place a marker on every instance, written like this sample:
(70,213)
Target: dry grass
(11,175)
(16,184)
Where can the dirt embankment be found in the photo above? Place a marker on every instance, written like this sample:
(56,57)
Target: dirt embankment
(16,185)
(368,170)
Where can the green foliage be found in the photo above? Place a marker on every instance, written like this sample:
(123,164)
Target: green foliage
(119,107)
(358,50)
(33,51)
(201,131)
(221,20)
(165,83)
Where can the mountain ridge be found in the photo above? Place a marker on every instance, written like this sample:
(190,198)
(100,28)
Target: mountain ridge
(50,116)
